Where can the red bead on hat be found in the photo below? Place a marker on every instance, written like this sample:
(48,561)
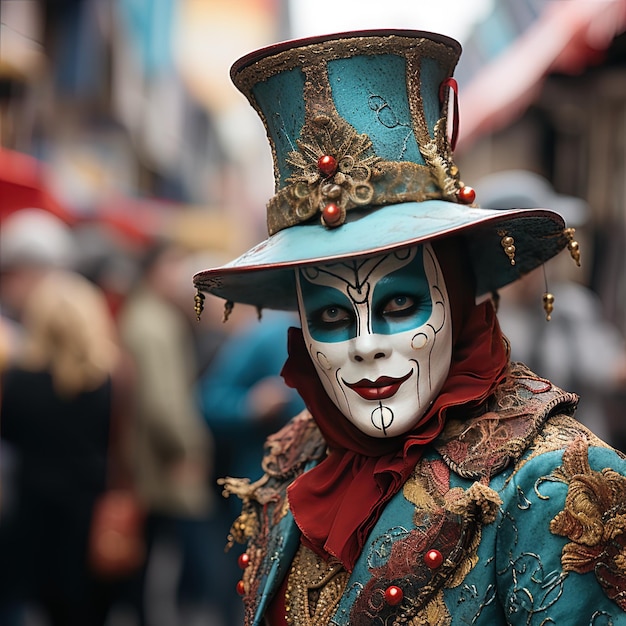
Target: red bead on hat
(466,194)
(332,215)
(327,164)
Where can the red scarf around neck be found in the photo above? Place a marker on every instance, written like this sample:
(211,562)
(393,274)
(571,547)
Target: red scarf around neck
(337,503)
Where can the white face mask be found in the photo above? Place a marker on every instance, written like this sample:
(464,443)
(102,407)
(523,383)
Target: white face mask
(379,332)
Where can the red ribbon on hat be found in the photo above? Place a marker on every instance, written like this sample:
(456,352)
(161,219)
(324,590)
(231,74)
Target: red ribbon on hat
(452,84)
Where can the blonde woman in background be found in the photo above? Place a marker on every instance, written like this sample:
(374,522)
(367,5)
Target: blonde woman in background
(55,412)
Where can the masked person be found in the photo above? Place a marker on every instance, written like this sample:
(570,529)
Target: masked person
(430,480)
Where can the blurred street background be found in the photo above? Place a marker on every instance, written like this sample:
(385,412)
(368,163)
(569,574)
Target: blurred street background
(118,121)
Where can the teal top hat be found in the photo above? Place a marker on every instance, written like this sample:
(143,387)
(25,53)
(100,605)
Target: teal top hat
(358,127)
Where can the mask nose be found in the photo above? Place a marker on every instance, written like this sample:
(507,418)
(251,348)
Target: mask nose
(368,347)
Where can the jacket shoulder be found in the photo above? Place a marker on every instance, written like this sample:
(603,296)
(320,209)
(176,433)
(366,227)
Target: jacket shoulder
(293,447)
(508,425)
(287,454)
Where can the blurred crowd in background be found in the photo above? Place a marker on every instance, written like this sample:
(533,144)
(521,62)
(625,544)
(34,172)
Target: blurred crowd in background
(128,162)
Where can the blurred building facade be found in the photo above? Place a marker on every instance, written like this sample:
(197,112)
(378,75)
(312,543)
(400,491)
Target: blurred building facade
(563,118)
(128,109)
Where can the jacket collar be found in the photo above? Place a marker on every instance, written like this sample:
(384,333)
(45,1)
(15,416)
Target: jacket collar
(482,446)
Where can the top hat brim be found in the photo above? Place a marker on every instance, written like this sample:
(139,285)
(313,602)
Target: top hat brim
(264,276)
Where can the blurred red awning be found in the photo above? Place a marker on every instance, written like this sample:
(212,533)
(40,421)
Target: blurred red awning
(567,38)
(23,185)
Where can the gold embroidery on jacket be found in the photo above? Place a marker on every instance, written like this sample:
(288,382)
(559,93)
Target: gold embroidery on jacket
(594,521)
(314,589)
(435,613)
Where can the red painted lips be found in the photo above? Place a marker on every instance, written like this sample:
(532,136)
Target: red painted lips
(380,389)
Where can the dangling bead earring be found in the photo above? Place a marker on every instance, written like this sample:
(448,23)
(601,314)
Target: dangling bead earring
(573,246)
(548,305)
(548,298)
(508,245)
(228,309)
(198,304)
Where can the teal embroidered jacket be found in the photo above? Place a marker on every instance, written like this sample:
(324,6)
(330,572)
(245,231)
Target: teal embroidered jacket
(514,516)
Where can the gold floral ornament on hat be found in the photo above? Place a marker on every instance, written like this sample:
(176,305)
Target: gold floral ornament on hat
(334,172)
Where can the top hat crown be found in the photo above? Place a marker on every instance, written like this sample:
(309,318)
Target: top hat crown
(358,128)
(345,131)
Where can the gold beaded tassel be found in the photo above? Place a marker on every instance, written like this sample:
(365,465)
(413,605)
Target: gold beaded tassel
(228,309)
(574,249)
(573,246)
(508,245)
(548,298)
(198,304)
(548,305)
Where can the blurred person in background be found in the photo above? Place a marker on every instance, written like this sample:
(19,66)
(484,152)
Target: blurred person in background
(33,242)
(242,395)
(108,259)
(55,413)
(244,399)
(579,349)
(10,335)
(172,446)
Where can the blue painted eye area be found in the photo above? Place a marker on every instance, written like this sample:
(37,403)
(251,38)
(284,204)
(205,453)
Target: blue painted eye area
(332,323)
(400,301)
(330,319)
(329,313)
(333,316)
(400,306)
